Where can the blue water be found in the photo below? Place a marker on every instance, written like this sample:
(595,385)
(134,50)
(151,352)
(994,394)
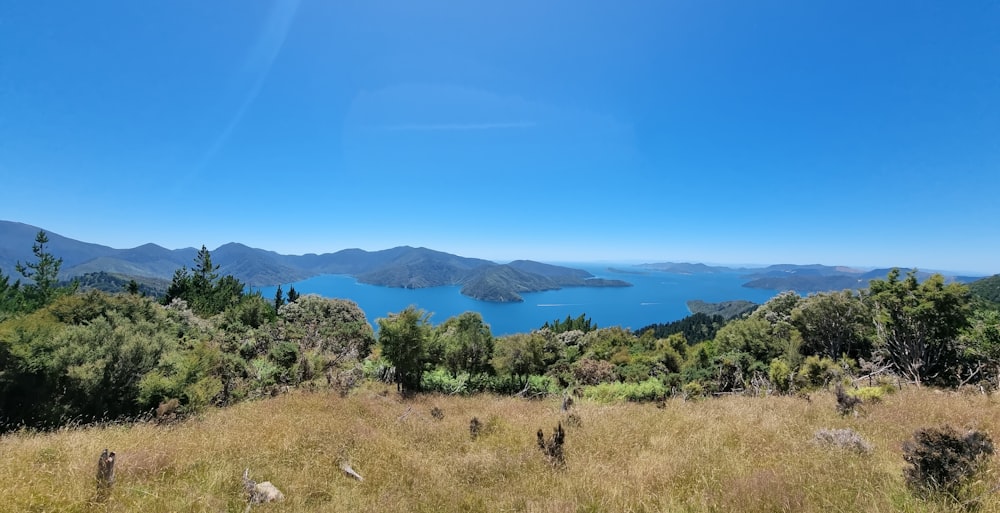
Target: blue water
(655,298)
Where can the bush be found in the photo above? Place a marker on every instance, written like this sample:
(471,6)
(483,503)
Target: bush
(780,375)
(650,390)
(846,403)
(868,394)
(817,372)
(441,381)
(943,461)
(285,354)
(588,371)
(692,390)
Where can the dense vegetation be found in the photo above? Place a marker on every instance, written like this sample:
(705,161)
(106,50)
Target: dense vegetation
(727,309)
(987,288)
(69,354)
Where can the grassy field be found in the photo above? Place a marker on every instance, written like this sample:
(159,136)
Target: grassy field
(726,454)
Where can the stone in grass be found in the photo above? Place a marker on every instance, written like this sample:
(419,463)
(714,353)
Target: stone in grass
(258,493)
(847,439)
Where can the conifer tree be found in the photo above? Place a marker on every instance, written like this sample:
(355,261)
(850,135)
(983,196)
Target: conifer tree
(44,272)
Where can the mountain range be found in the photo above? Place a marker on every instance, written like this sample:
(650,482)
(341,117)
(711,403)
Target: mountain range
(407,267)
(800,278)
(404,266)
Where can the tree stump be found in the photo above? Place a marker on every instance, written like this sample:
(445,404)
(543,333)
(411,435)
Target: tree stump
(105,474)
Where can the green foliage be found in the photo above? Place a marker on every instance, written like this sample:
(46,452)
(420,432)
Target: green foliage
(466,344)
(980,345)
(834,325)
(285,354)
(817,372)
(83,357)
(651,389)
(609,343)
(520,355)
(917,325)
(189,376)
(279,298)
(780,375)
(696,327)
(43,274)
(693,390)
(987,288)
(404,338)
(91,356)
(114,282)
(334,327)
(727,309)
(204,291)
(252,311)
(754,336)
(869,394)
(444,382)
(10,296)
(581,323)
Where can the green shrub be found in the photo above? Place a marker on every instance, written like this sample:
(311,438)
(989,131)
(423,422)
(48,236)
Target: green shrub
(539,386)
(868,394)
(441,381)
(693,390)
(264,372)
(780,375)
(817,372)
(285,354)
(650,390)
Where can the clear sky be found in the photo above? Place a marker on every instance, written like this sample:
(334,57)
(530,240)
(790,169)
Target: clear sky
(837,132)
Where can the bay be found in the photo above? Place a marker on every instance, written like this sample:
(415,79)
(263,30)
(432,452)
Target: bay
(655,297)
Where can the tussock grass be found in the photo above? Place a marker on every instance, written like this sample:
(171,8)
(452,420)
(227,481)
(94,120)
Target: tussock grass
(719,455)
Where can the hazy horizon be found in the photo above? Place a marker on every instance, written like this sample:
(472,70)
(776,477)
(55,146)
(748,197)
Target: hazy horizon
(842,133)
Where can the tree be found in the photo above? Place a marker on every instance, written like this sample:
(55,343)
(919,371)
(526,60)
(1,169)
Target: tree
(753,336)
(467,344)
(205,293)
(204,273)
(10,295)
(520,355)
(293,295)
(917,325)
(43,272)
(404,337)
(834,325)
(279,299)
(981,347)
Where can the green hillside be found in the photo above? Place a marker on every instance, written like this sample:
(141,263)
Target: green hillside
(987,288)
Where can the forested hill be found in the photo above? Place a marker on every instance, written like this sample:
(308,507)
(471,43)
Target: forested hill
(403,266)
(987,288)
(803,279)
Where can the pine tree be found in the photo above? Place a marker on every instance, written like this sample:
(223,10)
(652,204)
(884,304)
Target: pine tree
(44,272)
(279,299)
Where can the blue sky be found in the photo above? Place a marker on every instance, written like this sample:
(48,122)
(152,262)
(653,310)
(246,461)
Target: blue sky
(841,132)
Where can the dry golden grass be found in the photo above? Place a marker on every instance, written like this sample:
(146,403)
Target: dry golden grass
(728,454)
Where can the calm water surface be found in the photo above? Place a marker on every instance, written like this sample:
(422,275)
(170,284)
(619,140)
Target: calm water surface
(655,297)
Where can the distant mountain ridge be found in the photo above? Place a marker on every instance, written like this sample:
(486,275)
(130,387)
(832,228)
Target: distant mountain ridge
(803,279)
(404,266)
